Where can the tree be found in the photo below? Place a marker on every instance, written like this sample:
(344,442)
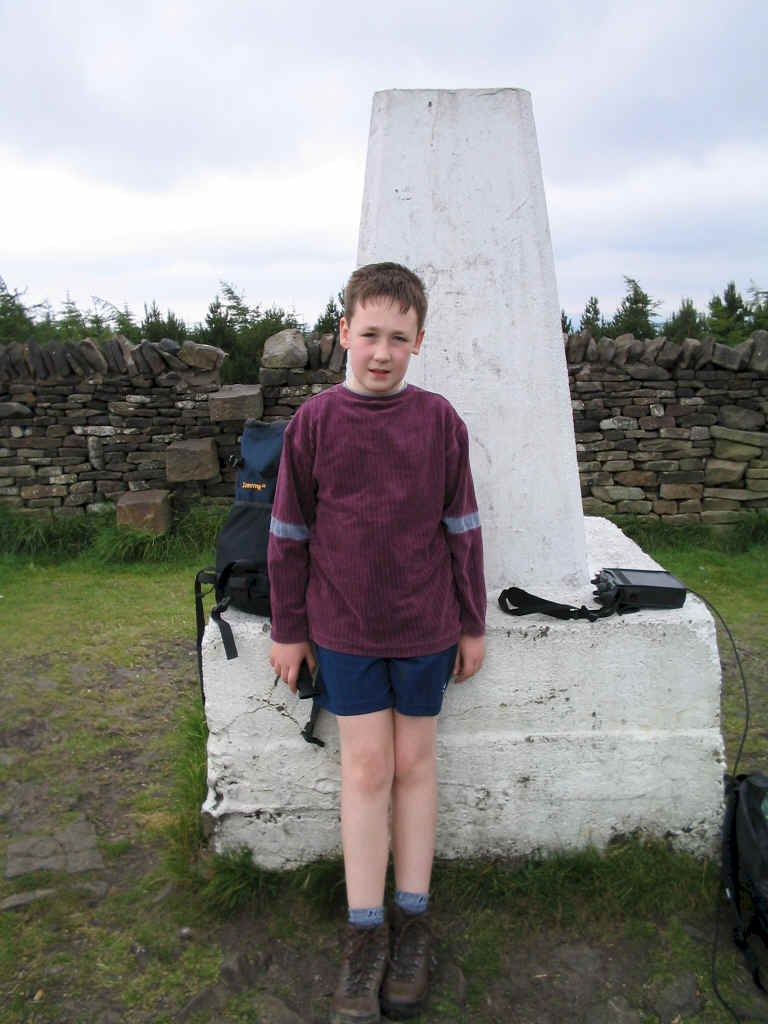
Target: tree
(758,308)
(154,327)
(687,322)
(15,322)
(591,319)
(241,330)
(70,322)
(124,323)
(98,319)
(635,313)
(219,329)
(328,321)
(566,326)
(727,320)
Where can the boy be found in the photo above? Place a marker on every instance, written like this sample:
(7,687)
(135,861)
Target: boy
(375,556)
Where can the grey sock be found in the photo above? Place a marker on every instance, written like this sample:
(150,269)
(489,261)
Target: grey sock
(412,902)
(365,917)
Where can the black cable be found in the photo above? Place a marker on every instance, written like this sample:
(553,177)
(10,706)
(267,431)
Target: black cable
(741,674)
(736,1015)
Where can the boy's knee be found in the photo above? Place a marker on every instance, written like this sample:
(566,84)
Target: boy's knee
(414,765)
(370,771)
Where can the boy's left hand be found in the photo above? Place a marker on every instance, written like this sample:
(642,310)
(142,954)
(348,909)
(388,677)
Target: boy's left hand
(469,656)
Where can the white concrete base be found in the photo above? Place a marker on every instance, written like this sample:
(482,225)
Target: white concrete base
(573,733)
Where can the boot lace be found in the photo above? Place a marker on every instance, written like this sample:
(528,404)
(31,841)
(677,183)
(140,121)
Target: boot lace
(364,954)
(410,945)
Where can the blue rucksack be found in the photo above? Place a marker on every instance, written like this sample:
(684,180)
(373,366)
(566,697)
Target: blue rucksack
(240,578)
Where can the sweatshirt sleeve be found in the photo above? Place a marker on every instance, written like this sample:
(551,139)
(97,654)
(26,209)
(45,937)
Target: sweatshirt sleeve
(288,546)
(462,524)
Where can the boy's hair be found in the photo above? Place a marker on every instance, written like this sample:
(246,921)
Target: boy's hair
(386,280)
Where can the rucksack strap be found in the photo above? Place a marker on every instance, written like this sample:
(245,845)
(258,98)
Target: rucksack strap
(227,638)
(207,577)
(308,732)
(515,601)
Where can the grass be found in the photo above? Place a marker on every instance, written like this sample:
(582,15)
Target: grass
(97,537)
(84,675)
(735,583)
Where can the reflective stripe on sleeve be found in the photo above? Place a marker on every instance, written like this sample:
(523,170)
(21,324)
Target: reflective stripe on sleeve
(289,531)
(461,524)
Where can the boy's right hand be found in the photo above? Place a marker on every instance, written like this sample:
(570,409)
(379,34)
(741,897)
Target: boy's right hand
(286,660)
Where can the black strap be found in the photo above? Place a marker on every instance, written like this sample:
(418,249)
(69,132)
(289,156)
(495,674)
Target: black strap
(308,732)
(210,577)
(515,601)
(230,648)
(207,576)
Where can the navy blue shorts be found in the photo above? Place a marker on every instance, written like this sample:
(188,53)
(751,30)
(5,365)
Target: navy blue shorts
(351,684)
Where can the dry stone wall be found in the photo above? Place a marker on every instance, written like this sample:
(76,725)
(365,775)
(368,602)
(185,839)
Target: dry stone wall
(671,431)
(663,430)
(82,425)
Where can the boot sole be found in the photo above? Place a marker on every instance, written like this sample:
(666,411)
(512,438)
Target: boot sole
(339,1017)
(403,1011)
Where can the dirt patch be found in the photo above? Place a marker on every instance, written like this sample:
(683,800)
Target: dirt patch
(121,943)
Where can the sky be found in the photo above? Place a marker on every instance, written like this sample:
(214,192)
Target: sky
(151,150)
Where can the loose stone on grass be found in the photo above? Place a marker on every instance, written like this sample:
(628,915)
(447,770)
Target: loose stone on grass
(72,848)
(23,899)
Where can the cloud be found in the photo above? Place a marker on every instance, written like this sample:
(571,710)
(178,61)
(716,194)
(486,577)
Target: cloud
(178,143)
(270,234)
(676,224)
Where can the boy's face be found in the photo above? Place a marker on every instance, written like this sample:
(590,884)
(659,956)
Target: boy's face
(380,341)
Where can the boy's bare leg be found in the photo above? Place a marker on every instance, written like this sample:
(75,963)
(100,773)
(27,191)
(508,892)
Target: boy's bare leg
(367,767)
(414,801)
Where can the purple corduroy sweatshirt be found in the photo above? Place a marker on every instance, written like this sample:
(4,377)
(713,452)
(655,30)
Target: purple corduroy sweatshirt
(375,544)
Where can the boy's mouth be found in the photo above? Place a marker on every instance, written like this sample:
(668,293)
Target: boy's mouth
(379,373)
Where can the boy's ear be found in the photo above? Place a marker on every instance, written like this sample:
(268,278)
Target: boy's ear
(344,332)
(417,343)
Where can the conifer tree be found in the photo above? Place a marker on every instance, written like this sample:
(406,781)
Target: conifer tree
(635,313)
(592,319)
(687,322)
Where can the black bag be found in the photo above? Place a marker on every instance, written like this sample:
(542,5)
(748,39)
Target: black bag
(240,577)
(745,861)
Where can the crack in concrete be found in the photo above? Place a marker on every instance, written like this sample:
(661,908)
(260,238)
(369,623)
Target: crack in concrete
(264,705)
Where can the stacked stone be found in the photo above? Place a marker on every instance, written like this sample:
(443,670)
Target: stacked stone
(671,431)
(113,357)
(81,425)
(293,369)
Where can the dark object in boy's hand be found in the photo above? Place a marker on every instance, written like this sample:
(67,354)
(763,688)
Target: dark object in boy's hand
(305,684)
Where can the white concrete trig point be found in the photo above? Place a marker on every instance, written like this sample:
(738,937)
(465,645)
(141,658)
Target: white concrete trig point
(573,732)
(453,189)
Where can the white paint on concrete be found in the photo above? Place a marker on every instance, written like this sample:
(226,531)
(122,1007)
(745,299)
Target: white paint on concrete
(454,189)
(574,732)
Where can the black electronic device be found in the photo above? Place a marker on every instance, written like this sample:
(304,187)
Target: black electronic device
(306,683)
(632,589)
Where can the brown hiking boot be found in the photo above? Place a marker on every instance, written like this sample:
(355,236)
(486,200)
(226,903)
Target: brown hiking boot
(407,982)
(356,999)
